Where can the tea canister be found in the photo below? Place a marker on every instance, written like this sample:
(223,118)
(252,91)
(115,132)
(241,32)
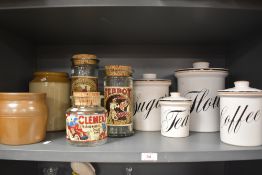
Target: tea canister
(86,120)
(175,112)
(240,115)
(84,73)
(200,84)
(147,92)
(56,85)
(23,118)
(118,93)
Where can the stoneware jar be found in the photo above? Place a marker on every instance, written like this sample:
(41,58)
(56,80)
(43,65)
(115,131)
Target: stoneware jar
(240,115)
(23,118)
(200,84)
(175,112)
(147,92)
(56,85)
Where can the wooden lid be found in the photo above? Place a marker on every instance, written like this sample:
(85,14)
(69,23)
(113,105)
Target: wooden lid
(86,98)
(81,59)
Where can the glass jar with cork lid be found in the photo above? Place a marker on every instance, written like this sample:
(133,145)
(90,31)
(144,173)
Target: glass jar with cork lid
(86,120)
(84,73)
(118,95)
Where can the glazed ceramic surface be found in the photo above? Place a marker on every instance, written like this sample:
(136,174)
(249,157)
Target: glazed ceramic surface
(240,115)
(147,92)
(175,115)
(23,118)
(200,84)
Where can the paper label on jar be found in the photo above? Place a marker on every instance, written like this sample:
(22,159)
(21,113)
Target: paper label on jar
(84,84)
(118,102)
(85,128)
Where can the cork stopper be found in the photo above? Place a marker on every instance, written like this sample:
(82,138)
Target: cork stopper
(86,98)
(81,59)
(118,70)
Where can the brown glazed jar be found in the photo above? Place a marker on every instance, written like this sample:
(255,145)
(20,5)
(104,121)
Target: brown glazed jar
(56,85)
(23,118)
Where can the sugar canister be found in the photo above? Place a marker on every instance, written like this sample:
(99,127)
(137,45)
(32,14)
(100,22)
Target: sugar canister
(200,84)
(147,92)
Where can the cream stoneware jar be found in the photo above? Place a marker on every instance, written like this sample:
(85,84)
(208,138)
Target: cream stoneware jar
(200,84)
(147,92)
(175,112)
(240,115)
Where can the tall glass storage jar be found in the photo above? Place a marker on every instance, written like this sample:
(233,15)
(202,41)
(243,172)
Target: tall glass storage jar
(118,95)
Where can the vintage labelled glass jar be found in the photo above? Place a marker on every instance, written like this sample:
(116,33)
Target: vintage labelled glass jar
(56,85)
(118,100)
(86,120)
(84,73)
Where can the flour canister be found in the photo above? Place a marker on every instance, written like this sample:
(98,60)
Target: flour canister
(175,112)
(147,92)
(200,84)
(240,115)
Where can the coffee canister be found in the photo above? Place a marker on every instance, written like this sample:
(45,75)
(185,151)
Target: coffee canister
(240,115)
(200,84)
(147,92)
(175,112)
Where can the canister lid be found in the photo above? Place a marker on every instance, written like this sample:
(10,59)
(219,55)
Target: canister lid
(118,70)
(175,97)
(151,78)
(81,59)
(241,89)
(203,68)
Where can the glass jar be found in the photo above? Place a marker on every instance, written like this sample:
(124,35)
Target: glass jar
(118,95)
(56,85)
(84,73)
(86,120)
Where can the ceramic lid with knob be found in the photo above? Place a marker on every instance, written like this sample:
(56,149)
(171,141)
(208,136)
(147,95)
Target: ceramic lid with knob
(241,88)
(175,97)
(151,78)
(201,67)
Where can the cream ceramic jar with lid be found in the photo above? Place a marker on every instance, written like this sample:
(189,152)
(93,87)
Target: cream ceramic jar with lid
(147,92)
(175,112)
(240,115)
(200,84)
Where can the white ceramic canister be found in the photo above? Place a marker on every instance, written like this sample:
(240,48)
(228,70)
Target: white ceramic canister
(240,115)
(147,92)
(200,84)
(175,112)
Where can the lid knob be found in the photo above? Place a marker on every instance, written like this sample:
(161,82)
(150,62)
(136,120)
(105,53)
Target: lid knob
(149,76)
(175,94)
(241,84)
(199,65)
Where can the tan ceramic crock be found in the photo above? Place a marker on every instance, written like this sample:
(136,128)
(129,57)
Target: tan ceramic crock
(23,118)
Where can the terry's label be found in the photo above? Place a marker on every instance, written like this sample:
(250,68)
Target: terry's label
(118,102)
(233,120)
(85,128)
(202,101)
(174,119)
(145,107)
(84,84)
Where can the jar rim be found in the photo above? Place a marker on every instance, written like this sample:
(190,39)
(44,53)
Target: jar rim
(49,73)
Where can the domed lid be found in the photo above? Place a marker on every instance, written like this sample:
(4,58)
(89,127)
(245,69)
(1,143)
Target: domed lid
(201,67)
(175,97)
(151,78)
(241,89)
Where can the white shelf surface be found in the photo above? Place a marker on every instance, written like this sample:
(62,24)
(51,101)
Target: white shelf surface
(197,147)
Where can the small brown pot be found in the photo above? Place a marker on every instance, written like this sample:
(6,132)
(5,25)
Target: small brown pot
(23,118)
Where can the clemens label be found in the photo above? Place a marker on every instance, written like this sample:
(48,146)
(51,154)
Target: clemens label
(85,128)
(118,102)
(84,84)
